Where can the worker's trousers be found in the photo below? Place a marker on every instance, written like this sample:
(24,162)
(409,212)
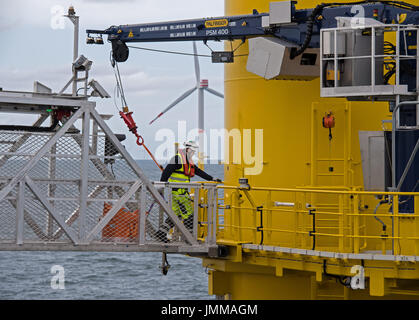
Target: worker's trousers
(182,206)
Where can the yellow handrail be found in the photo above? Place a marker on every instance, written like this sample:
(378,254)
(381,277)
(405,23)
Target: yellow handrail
(371,193)
(348,223)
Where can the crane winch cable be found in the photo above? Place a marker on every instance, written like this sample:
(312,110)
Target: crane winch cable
(171,52)
(181,53)
(126,115)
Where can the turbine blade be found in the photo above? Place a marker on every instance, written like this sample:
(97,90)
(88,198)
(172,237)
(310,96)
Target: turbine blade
(214,92)
(197,68)
(174,103)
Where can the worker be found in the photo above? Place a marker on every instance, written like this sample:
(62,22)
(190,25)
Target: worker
(181,169)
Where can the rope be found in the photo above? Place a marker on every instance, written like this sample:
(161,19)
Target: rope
(141,144)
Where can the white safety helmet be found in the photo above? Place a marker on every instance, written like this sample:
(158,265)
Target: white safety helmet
(191,145)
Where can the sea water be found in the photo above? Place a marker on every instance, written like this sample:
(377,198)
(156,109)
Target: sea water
(104,275)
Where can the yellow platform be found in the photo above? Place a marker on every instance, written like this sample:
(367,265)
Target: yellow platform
(280,255)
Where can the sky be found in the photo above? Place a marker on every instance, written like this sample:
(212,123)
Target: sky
(37,44)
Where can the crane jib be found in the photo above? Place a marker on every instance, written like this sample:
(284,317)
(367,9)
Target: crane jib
(223,28)
(302,29)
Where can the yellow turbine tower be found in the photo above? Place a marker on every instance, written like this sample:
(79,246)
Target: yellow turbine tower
(298,154)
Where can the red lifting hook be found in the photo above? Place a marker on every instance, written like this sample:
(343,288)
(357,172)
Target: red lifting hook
(127,116)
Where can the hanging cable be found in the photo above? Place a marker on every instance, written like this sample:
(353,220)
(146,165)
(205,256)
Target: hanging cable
(121,87)
(126,115)
(187,54)
(117,89)
(115,95)
(171,52)
(375,214)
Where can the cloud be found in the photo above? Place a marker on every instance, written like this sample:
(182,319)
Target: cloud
(151,80)
(159,89)
(22,79)
(135,81)
(9,15)
(110,1)
(104,13)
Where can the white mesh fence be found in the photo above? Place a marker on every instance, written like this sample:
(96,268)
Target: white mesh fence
(113,188)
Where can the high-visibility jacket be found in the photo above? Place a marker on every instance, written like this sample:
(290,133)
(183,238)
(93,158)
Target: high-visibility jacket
(186,172)
(181,200)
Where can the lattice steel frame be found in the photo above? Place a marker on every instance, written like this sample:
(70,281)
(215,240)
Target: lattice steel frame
(83,239)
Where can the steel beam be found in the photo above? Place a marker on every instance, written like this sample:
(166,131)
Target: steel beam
(393,138)
(143,215)
(47,102)
(84,174)
(20,176)
(103,170)
(134,166)
(51,185)
(20,212)
(47,205)
(115,208)
(106,247)
(21,141)
(73,217)
(30,222)
(407,168)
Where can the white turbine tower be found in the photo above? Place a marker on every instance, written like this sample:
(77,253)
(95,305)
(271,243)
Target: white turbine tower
(201,86)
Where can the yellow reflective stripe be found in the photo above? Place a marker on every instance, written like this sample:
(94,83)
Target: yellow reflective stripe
(178,181)
(180,192)
(179,176)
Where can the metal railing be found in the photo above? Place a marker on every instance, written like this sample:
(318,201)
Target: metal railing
(370,58)
(196,206)
(340,221)
(81,190)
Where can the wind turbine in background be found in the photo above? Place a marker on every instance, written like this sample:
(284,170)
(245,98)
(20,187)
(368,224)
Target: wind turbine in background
(201,86)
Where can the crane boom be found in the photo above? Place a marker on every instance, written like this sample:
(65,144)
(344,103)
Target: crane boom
(284,21)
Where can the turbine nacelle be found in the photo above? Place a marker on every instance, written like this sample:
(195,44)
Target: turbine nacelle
(203,84)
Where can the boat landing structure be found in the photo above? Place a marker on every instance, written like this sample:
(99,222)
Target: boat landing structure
(62,188)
